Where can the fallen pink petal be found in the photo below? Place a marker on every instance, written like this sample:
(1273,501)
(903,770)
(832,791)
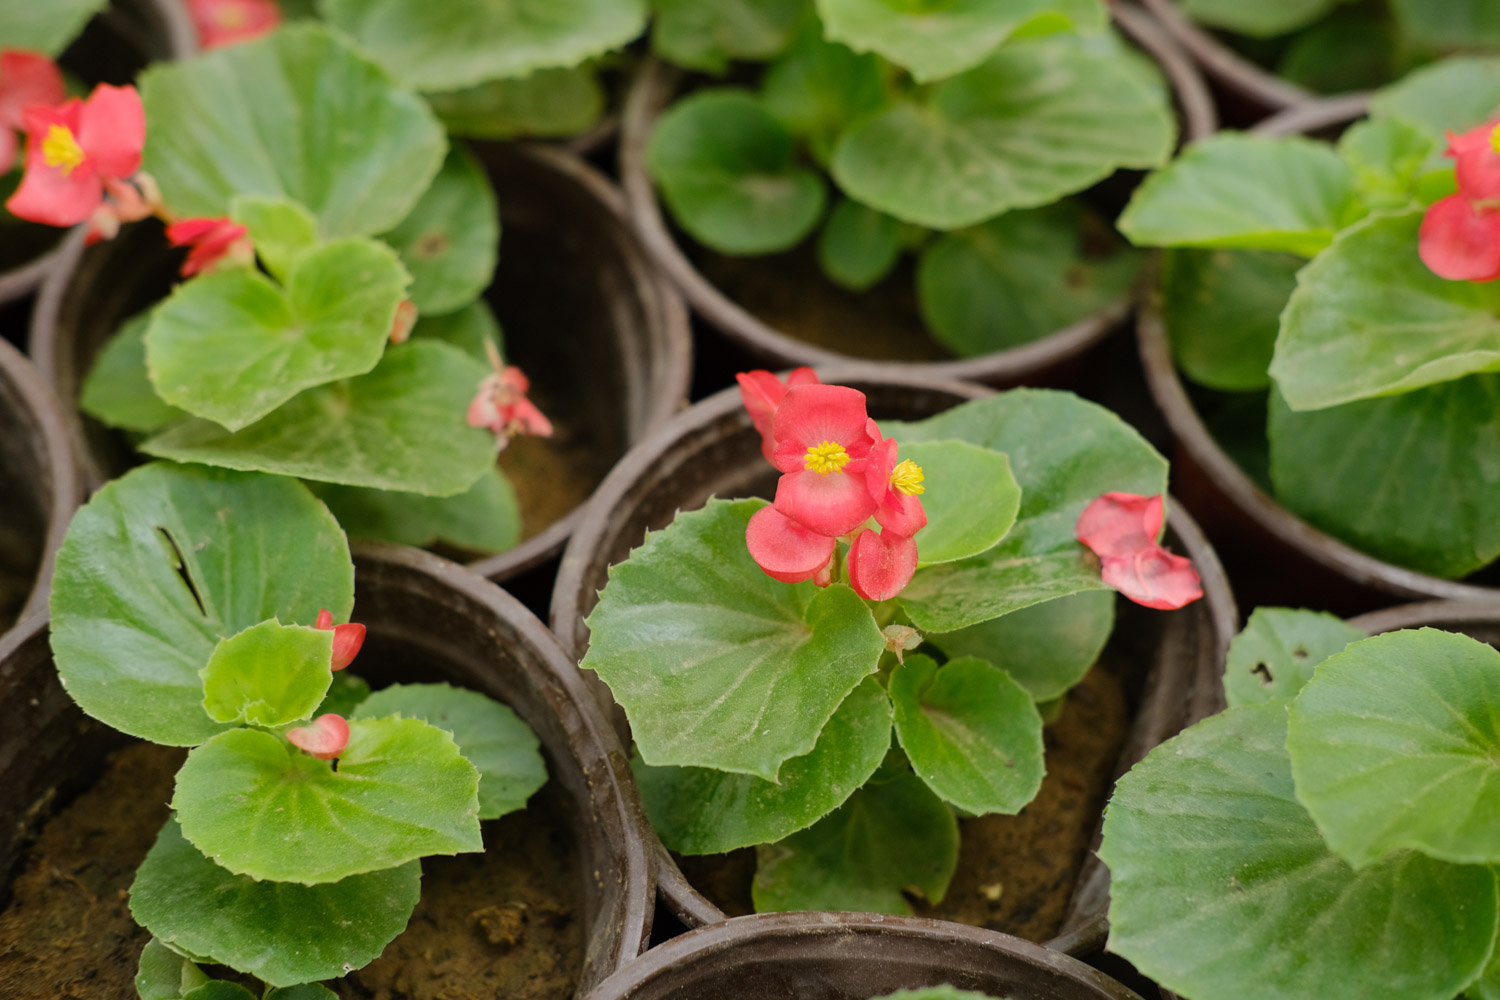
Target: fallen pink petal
(1154,578)
(325,739)
(1118,524)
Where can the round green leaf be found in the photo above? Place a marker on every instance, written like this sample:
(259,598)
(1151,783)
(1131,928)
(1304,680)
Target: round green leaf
(165,975)
(280,229)
(484,518)
(457,43)
(1395,744)
(1261,19)
(817,87)
(716,664)
(858,246)
(1046,648)
(698,810)
(232,346)
(728,172)
(451,239)
(296,113)
(971,733)
(400,427)
(1042,118)
(550,103)
(490,735)
(1221,888)
(118,391)
(1449,95)
(890,837)
(45,27)
(268,675)
(970,497)
(260,807)
(1019,277)
(164,562)
(706,34)
(280,932)
(1222,310)
(1274,656)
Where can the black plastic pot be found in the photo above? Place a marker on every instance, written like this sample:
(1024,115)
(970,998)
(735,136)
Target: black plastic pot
(712,449)
(603,338)
(428,620)
(1046,359)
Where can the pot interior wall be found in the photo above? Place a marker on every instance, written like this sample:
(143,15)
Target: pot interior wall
(26,487)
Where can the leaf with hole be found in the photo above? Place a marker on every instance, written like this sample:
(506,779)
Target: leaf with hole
(1274,655)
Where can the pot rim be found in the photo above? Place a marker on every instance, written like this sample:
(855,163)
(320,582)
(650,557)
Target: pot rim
(1225,65)
(653,86)
(1421,613)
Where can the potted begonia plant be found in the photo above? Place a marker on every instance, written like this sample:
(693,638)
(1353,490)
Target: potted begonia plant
(897,184)
(1329,833)
(160,571)
(1322,299)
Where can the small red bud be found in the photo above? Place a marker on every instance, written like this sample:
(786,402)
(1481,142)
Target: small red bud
(325,619)
(346,642)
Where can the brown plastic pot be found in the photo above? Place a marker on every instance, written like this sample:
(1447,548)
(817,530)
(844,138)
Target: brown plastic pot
(713,449)
(40,486)
(603,338)
(656,83)
(851,956)
(424,615)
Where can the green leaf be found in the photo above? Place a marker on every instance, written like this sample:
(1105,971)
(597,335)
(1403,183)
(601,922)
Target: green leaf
(165,975)
(302,991)
(296,113)
(280,229)
(281,932)
(818,87)
(1065,452)
(232,346)
(888,838)
(118,391)
(451,239)
(1369,319)
(728,172)
(971,733)
(45,27)
(1395,744)
(1453,94)
(401,427)
(1222,888)
(1042,118)
(1249,192)
(344,695)
(1046,648)
(1405,478)
(219,989)
(1274,655)
(1389,159)
(1020,277)
(472,329)
(1261,19)
(934,39)
(490,735)
(549,103)
(260,807)
(459,43)
(698,810)
(165,561)
(484,518)
(715,663)
(706,34)
(1222,310)
(1488,985)
(1453,24)
(268,675)
(858,246)
(1355,48)
(956,474)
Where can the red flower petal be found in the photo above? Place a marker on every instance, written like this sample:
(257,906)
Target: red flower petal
(1155,578)
(831,505)
(27,78)
(324,620)
(228,22)
(346,642)
(112,130)
(810,414)
(45,194)
(1460,242)
(899,512)
(211,239)
(784,549)
(881,564)
(181,234)
(1478,165)
(325,739)
(1120,524)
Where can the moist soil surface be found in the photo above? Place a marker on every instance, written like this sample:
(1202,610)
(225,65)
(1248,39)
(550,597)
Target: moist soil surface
(497,924)
(1015,873)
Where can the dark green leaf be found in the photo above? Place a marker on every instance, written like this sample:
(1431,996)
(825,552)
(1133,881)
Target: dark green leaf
(219,989)
(451,239)
(268,675)
(549,103)
(706,34)
(1260,18)
(858,246)
(302,991)
(1274,656)
(484,518)
(1222,310)
(118,391)
(1453,24)
(1046,648)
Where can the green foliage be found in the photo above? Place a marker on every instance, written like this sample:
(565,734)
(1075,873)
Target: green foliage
(549,103)
(450,241)
(484,518)
(859,246)
(955,474)
(1222,310)
(1454,24)
(164,562)
(706,34)
(1260,19)
(1274,655)
(818,87)
(472,329)
(1450,95)
(117,389)
(280,229)
(1046,648)
(1390,160)
(268,675)
(45,27)
(165,975)
(344,695)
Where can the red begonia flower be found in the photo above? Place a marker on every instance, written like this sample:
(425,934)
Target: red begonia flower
(212,242)
(762,392)
(1459,241)
(787,551)
(325,739)
(502,406)
(227,22)
(1154,578)
(881,564)
(1120,524)
(347,639)
(1477,163)
(894,486)
(72,149)
(822,441)
(1121,529)
(26,78)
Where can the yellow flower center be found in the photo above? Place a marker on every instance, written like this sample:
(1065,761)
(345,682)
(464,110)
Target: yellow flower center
(1495,139)
(907,477)
(60,149)
(827,457)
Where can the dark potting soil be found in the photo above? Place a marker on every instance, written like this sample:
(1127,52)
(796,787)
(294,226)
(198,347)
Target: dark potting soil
(1015,873)
(494,924)
(551,475)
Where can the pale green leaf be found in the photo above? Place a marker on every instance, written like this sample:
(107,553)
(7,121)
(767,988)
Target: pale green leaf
(118,391)
(1274,655)
(484,518)
(706,34)
(280,229)
(549,103)
(451,239)
(1390,159)
(1046,648)
(268,675)
(971,498)
(1222,309)
(162,974)
(47,27)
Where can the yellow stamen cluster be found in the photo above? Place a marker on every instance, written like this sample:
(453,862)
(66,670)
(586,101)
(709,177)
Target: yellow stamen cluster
(60,149)
(827,457)
(1495,139)
(907,477)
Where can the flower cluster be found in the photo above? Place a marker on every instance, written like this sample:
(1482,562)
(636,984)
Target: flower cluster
(838,471)
(1460,235)
(502,406)
(1121,529)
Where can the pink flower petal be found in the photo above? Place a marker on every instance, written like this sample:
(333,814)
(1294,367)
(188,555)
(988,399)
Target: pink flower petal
(229,22)
(46,194)
(27,78)
(831,505)
(212,240)
(1155,578)
(324,619)
(1460,242)
(1119,524)
(901,513)
(347,639)
(810,414)
(112,130)
(1478,165)
(881,564)
(325,739)
(785,550)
